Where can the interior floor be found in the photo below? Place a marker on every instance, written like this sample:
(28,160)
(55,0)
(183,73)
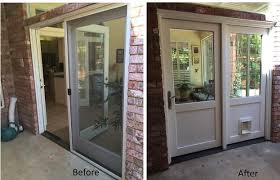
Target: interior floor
(57,121)
(263,158)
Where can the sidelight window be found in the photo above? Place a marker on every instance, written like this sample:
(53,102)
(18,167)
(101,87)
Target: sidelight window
(245,55)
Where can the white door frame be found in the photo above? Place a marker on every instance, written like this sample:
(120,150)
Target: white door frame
(225,22)
(86,11)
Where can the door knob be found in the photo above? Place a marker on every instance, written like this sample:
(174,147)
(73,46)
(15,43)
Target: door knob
(169,97)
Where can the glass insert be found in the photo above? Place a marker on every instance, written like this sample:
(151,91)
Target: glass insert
(100,83)
(193,65)
(245,55)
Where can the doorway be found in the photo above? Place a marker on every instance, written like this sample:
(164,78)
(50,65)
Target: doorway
(94,70)
(53,82)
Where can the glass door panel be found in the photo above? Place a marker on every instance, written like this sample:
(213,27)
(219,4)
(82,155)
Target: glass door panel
(193,65)
(96,46)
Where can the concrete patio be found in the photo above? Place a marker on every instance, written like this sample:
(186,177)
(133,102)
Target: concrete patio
(30,157)
(263,158)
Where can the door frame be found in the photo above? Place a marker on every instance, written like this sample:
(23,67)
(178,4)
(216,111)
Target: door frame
(225,22)
(41,106)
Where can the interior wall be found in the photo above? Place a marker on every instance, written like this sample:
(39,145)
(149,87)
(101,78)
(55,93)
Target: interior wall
(116,41)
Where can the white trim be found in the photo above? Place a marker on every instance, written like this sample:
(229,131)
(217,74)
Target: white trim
(179,15)
(268,94)
(41,110)
(225,89)
(125,87)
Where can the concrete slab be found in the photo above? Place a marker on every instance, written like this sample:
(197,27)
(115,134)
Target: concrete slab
(263,158)
(30,157)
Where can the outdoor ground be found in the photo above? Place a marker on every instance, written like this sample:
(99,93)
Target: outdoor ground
(30,157)
(262,159)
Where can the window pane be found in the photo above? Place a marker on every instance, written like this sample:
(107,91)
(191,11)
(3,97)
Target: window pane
(245,55)
(193,65)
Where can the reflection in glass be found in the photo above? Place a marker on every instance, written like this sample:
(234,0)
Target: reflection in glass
(245,58)
(100,84)
(192,58)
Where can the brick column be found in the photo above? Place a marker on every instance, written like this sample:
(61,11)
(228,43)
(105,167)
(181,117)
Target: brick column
(275,111)
(157,140)
(20,51)
(7,78)
(134,128)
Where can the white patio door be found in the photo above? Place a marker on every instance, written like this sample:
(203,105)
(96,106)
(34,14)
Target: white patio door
(247,83)
(192,93)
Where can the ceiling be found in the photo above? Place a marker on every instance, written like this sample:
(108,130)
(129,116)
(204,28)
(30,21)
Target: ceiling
(259,7)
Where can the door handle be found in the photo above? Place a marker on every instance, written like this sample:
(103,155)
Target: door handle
(43,85)
(169,97)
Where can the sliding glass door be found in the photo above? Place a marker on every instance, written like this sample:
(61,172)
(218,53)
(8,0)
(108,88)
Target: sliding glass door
(96,59)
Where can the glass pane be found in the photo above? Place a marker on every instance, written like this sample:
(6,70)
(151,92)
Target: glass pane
(245,55)
(193,65)
(100,84)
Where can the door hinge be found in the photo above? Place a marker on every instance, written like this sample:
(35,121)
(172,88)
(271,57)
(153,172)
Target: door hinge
(69,92)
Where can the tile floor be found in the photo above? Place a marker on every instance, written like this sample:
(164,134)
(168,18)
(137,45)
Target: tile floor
(30,157)
(56,116)
(263,158)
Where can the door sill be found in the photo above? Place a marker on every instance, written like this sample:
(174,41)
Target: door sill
(182,158)
(56,140)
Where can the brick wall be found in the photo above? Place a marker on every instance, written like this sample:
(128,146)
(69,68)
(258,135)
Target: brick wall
(275,113)
(134,128)
(61,10)
(7,78)
(20,55)
(157,145)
